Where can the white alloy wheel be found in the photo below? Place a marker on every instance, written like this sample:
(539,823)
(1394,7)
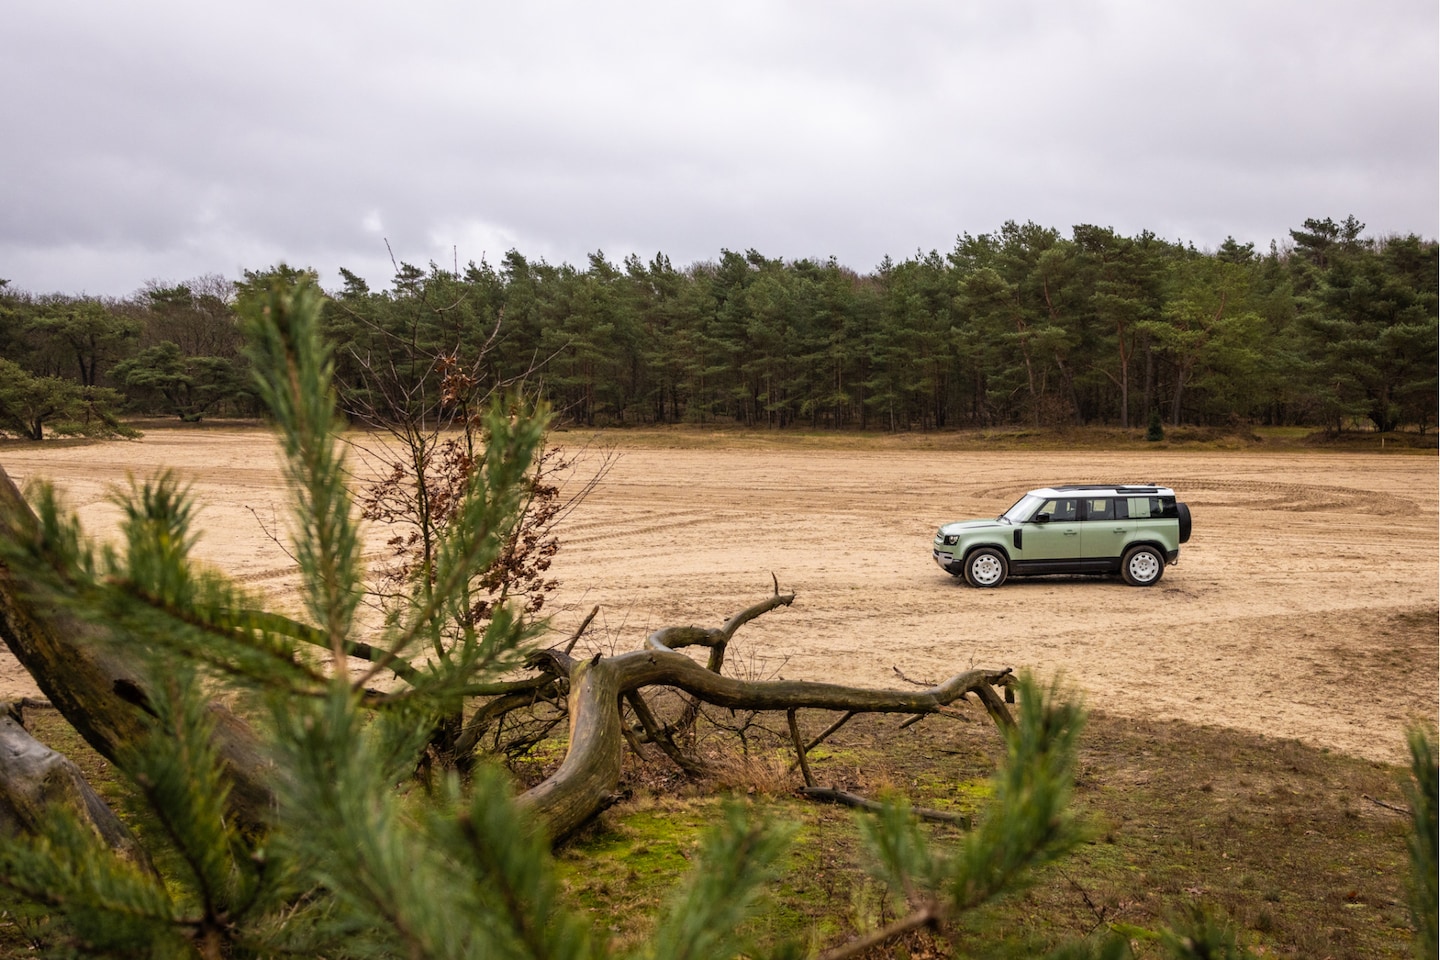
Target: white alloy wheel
(986,568)
(1142,567)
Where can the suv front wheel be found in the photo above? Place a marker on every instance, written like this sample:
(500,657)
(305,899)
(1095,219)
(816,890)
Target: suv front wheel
(986,567)
(1142,566)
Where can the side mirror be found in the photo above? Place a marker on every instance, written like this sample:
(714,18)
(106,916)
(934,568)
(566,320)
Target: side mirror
(1040,518)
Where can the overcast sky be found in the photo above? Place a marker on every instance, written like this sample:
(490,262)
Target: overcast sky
(163,140)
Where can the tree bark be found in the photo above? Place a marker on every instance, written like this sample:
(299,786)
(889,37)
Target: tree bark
(35,779)
(590,772)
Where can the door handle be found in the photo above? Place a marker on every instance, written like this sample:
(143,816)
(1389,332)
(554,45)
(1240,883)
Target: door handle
(1072,533)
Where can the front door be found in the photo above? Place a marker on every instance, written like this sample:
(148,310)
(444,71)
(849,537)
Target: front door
(1056,539)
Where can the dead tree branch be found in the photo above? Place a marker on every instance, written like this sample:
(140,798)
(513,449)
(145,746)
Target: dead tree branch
(799,748)
(661,737)
(674,638)
(848,799)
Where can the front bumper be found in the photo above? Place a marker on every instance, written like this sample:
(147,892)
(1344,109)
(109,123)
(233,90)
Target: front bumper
(947,561)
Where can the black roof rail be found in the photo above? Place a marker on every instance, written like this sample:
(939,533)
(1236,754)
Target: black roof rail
(1120,488)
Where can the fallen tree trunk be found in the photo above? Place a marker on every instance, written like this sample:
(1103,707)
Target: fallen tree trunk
(35,779)
(73,663)
(590,773)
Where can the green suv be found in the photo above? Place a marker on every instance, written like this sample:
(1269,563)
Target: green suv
(1084,528)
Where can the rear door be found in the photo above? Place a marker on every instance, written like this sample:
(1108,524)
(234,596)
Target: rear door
(1107,527)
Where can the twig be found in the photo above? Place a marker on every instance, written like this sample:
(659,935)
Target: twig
(1099,913)
(826,734)
(930,915)
(633,741)
(580,630)
(1403,811)
(660,737)
(269,535)
(829,730)
(919,683)
(799,748)
(847,799)
(944,711)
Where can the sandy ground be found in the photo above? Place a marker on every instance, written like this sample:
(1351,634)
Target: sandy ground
(1304,605)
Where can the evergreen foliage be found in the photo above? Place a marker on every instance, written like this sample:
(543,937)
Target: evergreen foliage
(1020,326)
(1423,792)
(30,404)
(1155,432)
(187,387)
(1024,325)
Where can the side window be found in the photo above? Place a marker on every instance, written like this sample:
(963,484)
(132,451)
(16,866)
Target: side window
(1139,507)
(1061,509)
(1100,509)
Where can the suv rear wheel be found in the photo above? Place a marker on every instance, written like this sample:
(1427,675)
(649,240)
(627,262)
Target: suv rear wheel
(986,567)
(1142,566)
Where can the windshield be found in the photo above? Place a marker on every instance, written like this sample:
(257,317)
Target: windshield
(1022,509)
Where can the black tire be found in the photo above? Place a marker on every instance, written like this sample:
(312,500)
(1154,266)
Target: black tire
(986,567)
(1142,566)
(1184,513)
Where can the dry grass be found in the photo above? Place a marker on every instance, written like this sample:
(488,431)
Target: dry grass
(1226,438)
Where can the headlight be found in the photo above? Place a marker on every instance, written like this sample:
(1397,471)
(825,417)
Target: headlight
(951,539)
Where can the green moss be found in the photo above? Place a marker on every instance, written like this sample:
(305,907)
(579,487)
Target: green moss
(643,852)
(939,792)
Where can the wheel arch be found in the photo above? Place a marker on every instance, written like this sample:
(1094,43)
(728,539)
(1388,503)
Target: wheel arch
(965,557)
(1155,545)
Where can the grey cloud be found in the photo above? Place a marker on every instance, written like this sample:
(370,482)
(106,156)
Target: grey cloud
(167,139)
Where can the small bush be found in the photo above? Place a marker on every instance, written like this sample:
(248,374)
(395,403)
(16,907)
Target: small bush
(1155,433)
